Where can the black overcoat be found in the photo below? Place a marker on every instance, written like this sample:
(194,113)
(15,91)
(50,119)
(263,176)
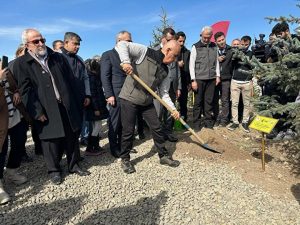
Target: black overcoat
(38,95)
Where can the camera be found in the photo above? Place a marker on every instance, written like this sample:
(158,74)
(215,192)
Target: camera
(261,48)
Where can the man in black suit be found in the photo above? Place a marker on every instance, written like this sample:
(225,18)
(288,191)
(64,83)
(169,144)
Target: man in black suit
(113,77)
(48,92)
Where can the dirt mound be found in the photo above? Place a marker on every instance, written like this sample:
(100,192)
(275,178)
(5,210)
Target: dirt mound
(189,145)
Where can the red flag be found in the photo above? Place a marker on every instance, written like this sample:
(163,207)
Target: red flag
(221,26)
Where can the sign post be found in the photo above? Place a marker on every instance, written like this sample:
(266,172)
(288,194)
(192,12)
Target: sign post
(263,144)
(265,125)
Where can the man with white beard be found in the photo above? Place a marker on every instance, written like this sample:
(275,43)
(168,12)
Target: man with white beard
(48,92)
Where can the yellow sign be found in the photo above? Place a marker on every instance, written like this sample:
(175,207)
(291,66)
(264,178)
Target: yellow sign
(264,124)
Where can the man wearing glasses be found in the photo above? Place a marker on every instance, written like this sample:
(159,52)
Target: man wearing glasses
(50,96)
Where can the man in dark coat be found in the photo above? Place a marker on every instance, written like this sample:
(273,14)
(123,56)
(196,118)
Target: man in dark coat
(70,52)
(48,92)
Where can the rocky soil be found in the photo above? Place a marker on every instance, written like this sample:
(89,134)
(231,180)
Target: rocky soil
(205,189)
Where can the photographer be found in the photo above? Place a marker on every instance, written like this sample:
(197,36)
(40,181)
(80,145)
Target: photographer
(261,48)
(281,46)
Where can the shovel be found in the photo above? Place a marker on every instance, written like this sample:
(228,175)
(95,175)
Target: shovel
(202,143)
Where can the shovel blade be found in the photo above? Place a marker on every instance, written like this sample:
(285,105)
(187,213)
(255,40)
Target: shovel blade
(209,148)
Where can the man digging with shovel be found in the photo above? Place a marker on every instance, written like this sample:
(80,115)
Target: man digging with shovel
(151,66)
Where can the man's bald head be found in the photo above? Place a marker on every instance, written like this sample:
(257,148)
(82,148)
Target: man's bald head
(171,50)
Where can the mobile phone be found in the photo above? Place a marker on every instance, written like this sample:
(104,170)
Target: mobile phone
(4,62)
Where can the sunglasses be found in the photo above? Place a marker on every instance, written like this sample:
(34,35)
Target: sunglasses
(37,41)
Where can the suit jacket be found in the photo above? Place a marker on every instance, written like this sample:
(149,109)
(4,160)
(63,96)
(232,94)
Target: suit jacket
(38,94)
(112,75)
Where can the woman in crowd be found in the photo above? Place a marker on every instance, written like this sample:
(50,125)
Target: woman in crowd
(16,131)
(96,111)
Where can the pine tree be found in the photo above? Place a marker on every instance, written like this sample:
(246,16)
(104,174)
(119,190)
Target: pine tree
(157,32)
(285,73)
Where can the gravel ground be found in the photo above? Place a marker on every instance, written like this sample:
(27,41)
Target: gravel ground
(197,192)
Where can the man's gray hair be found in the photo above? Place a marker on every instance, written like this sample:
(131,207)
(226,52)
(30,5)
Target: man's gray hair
(207,28)
(25,34)
(121,33)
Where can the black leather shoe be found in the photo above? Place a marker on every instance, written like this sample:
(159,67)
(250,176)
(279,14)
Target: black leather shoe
(142,136)
(217,123)
(168,161)
(26,158)
(80,171)
(127,166)
(83,142)
(55,178)
(171,138)
(133,150)
(38,150)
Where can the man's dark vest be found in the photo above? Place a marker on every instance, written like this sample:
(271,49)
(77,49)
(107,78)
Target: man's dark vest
(152,74)
(206,60)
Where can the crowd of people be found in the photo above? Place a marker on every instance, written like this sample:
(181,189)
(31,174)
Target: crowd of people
(63,99)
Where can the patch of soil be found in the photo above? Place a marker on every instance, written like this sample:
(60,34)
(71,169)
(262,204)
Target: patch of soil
(242,152)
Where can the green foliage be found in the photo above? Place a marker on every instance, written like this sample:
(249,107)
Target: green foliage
(284,75)
(157,32)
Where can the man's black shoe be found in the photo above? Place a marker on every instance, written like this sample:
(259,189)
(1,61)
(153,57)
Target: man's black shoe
(171,138)
(38,150)
(77,170)
(55,178)
(233,126)
(223,124)
(83,142)
(26,158)
(168,161)
(217,123)
(142,136)
(127,166)
(133,150)
(209,127)
(81,158)
(245,127)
